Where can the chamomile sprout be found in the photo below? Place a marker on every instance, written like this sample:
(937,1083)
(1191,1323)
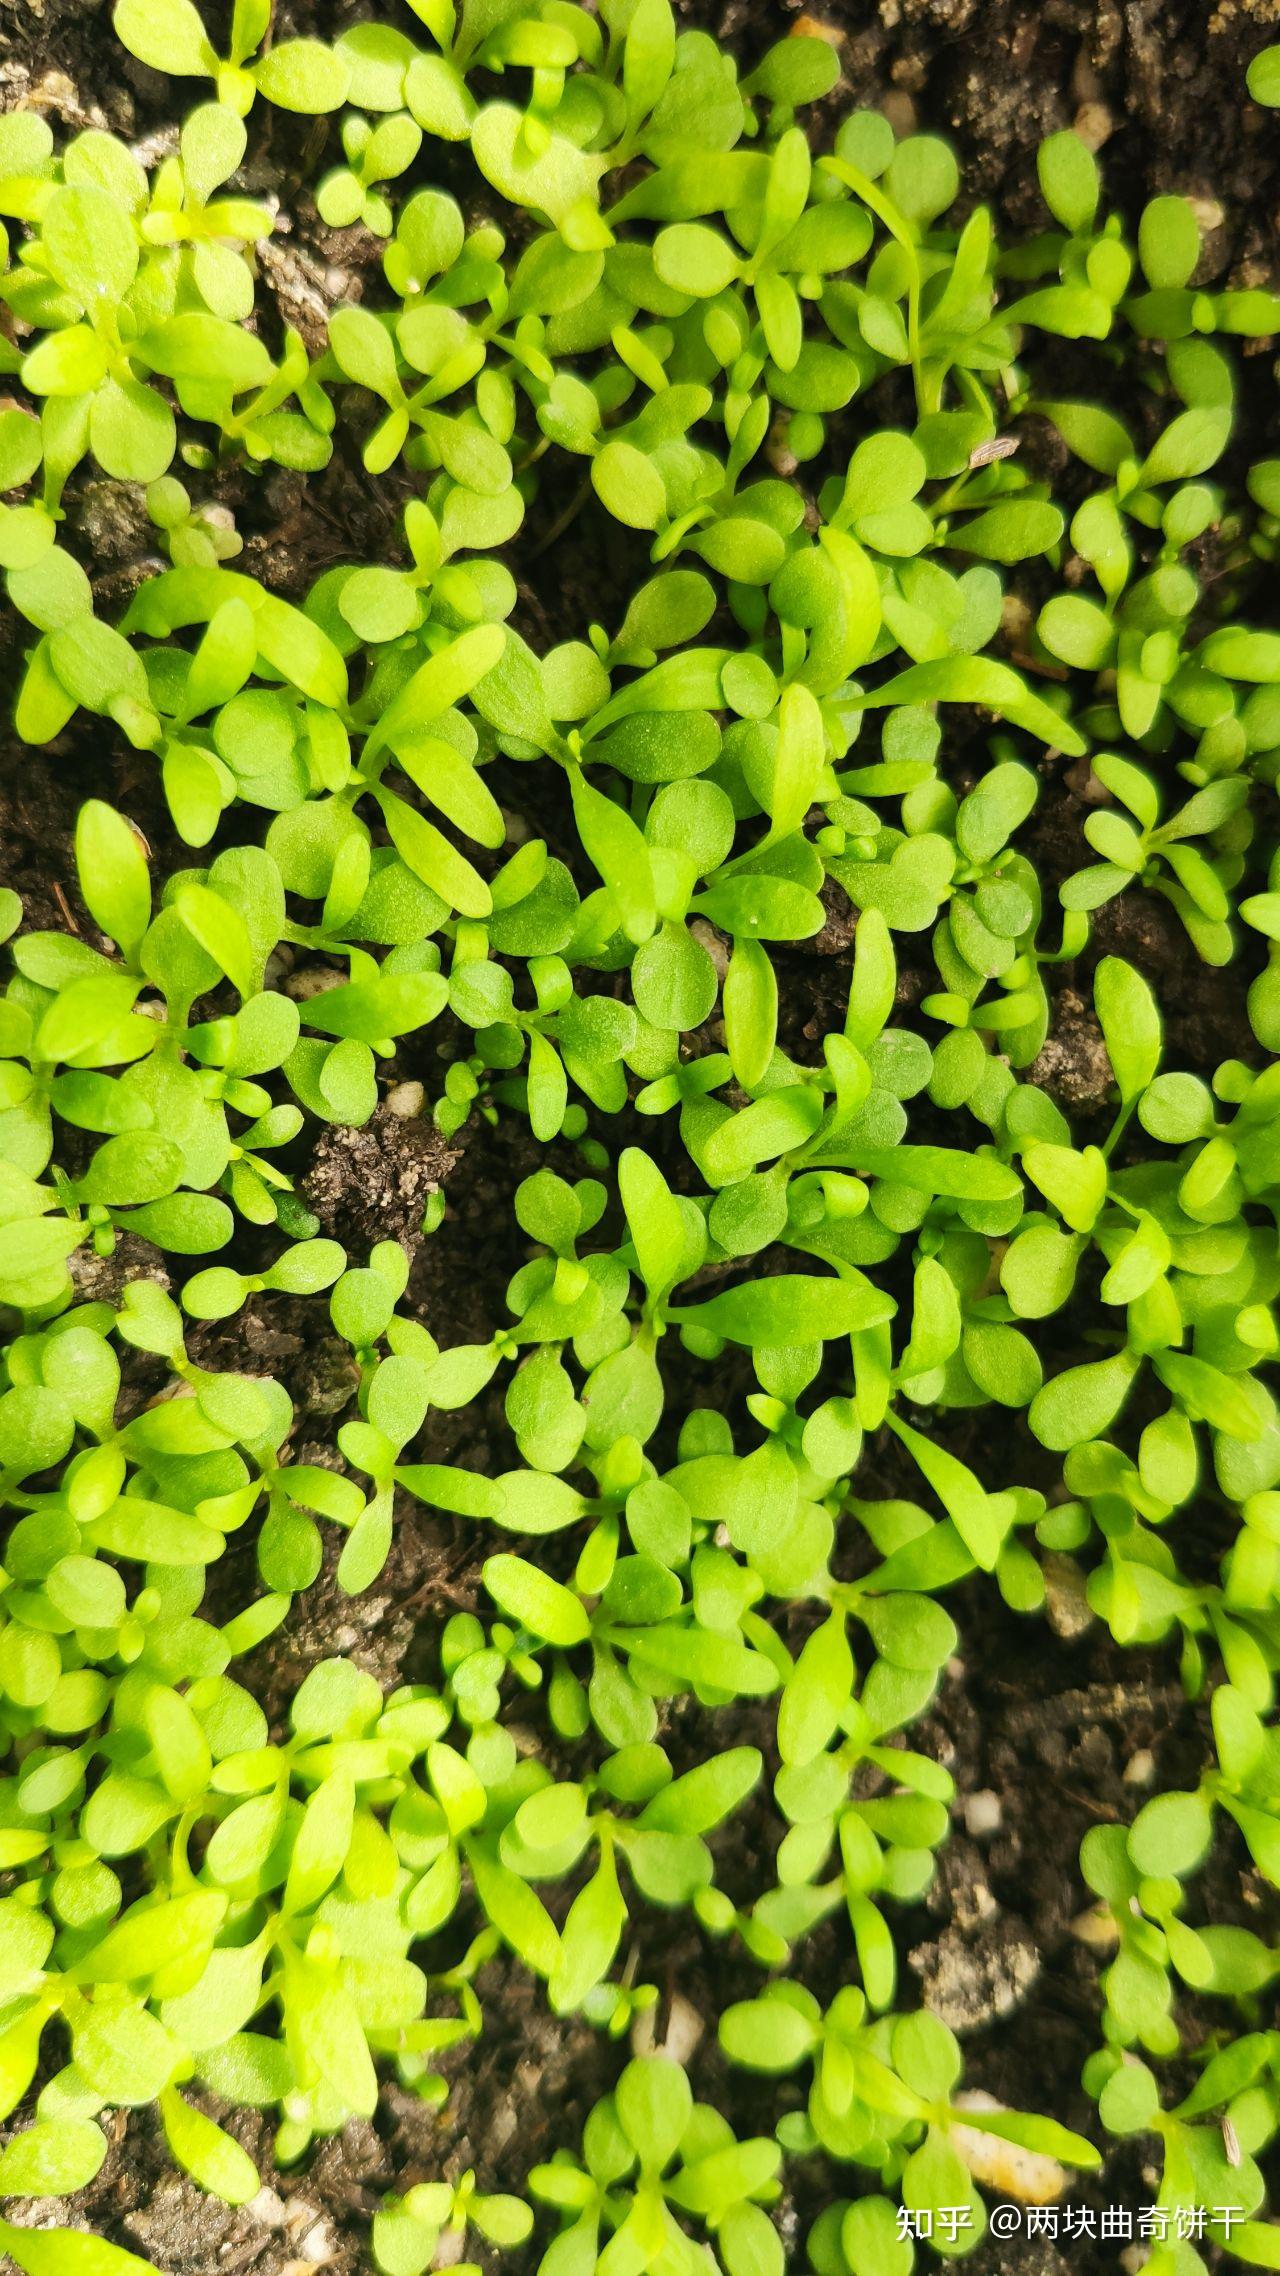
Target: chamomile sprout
(838,1319)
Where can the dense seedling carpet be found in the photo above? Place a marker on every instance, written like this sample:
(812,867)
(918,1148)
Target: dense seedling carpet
(917,521)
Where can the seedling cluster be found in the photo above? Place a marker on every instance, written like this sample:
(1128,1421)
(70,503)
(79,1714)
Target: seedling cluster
(926,522)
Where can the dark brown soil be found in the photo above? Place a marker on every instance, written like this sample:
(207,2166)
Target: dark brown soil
(1045,1726)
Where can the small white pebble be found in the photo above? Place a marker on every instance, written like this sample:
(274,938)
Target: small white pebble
(685,2027)
(1140,1769)
(502,2125)
(313,980)
(1015,620)
(714,943)
(267,2208)
(1134,2257)
(406,1100)
(317,2245)
(1067,1608)
(450,2248)
(1081,779)
(779,453)
(982,1813)
(1096,1928)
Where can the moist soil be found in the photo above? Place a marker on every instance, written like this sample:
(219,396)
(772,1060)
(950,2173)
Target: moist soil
(1047,1728)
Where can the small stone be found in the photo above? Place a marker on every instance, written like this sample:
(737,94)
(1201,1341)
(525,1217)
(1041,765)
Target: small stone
(317,2246)
(502,2125)
(1066,1606)
(982,1813)
(1015,620)
(406,1100)
(1011,2171)
(1081,780)
(1140,1769)
(685,2028)
(1209,214)
(1096,1927)
(778,451)
(313,980)
(56,91)
(267,2208)
(715,944)
(817,28)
